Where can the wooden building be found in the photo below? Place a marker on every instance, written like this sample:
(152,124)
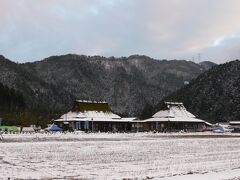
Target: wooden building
(93,116)
(235,125)
(174,117)
(97,116)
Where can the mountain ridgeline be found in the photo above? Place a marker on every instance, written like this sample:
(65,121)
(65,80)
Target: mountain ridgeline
(214,95)
(129,84)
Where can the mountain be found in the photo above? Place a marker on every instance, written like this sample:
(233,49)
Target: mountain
(129,84)
(213,95)
(207,65)
(10,100)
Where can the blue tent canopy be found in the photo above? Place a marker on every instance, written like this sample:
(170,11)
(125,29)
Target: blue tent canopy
(54,127)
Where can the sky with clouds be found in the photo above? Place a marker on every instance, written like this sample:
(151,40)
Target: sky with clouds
(31,30)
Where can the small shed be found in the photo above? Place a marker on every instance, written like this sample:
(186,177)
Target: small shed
(27,129)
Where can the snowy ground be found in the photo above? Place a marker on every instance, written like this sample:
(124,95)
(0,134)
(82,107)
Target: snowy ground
(119,156)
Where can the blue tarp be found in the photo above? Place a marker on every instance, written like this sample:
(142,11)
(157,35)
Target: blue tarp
(219,130)
(54,127)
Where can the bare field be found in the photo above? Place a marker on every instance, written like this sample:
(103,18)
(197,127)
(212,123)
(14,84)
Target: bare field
(118,156)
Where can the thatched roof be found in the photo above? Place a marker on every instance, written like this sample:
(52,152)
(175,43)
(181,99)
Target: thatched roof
(83,106)
(175,112)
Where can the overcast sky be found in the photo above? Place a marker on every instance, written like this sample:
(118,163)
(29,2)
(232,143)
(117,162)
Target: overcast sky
(31,30)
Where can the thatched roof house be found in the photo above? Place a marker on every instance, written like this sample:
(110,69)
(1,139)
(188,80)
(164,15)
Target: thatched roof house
(175,117)
(93,115)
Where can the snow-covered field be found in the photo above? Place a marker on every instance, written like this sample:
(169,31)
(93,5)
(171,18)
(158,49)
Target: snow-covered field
(119,156)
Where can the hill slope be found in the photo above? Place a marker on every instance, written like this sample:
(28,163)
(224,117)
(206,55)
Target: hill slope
(10,100)
(214,95)
(128,84)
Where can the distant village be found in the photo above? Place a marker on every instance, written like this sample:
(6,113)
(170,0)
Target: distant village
(93,116)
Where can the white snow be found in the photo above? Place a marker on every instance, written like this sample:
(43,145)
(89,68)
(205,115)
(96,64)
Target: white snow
(91,115)
(118,156)
(176,112)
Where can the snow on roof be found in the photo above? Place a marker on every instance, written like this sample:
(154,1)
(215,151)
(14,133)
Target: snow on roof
(208,123)
(176,112)
(129,119)
(86,101)
(93,116)
(90,114)
(180,111)
(137,121)
(157,119)
(234,122)
(100,114)
(175,119)
(174,103)
(163,113)
(91,110)
(110,120)
(96,119)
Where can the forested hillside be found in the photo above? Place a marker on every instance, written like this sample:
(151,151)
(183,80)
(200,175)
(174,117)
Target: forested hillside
(214,95)
(11,100)
(129,84)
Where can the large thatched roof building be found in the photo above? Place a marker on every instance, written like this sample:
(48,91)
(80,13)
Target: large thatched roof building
(95,116)
(174,118)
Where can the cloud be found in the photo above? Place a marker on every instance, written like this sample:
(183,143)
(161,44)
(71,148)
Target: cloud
(176,29)
(224,49)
